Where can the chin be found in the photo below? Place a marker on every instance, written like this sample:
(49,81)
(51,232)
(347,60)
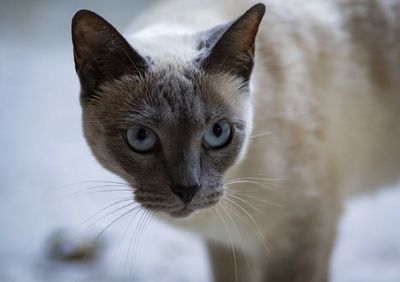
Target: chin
(191,208)
(184,212)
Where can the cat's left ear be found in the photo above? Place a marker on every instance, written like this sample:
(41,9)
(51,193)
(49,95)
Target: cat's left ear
(101,53)
(230,47)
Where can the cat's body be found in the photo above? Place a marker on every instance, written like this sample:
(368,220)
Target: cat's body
(326,124)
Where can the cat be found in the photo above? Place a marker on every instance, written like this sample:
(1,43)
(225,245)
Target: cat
(252,141)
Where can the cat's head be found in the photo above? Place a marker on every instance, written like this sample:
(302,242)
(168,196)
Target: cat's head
(170,130)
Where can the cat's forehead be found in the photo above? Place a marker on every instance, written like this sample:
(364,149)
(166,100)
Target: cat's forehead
(180,97)
(169,97)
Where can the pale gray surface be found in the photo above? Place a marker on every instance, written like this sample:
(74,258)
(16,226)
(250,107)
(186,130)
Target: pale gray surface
(43,149)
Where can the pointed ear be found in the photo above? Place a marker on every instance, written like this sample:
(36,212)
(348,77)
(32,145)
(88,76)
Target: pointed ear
(101,53)
(230,47)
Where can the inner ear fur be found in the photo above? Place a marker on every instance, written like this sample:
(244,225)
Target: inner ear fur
(230,47)
(101,53)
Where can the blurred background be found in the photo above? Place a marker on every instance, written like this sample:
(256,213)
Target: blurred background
(51,211)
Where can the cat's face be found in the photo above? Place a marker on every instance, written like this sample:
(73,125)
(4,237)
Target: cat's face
(171,131)
(170,135)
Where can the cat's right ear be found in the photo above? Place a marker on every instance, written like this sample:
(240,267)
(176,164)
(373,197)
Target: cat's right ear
(101,53)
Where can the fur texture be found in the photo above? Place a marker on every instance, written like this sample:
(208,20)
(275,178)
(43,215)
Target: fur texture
(318,121)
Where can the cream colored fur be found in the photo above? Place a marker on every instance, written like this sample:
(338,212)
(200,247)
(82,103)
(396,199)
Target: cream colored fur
(325,126)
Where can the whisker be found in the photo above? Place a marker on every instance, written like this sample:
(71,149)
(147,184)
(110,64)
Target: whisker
(124,236)
(240,238)
(247,203)
(255,183)
(245,194)
(107,207)
(133,242)
(129,255)
(70,185)
(135,238)
(110,190)
(93,190)
(256,229)
(256,178)
(83,229)
(251,218)
(267,133)
(134,209)
(231,241)
(146,222)
(263,182)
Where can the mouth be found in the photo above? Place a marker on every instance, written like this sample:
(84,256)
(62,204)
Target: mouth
(179,209)
(186,211)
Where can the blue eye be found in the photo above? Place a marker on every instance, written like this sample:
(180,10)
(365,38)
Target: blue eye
(218,134)
(141,139)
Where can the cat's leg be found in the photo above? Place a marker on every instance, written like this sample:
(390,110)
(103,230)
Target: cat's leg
(306,258)
(248,269)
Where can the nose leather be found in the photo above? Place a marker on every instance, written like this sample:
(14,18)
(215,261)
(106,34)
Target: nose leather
(185,193)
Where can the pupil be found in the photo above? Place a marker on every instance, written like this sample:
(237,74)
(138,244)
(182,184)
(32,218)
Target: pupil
(217,130)
(142,134)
